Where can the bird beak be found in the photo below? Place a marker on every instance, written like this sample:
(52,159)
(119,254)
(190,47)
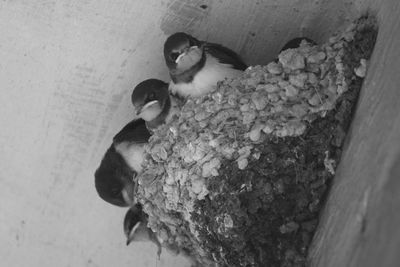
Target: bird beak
(192,53)
(139,110)
(149,104)
(130,238)
(137,233)
(179,57)
(184,53)
(150,111)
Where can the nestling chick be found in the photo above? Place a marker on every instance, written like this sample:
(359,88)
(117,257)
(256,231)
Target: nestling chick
(114,178)
(295,43)
(153,102)
(135,227)
(196,66)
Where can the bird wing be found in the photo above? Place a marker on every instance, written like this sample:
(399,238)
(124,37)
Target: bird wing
(225,55)
(134,131)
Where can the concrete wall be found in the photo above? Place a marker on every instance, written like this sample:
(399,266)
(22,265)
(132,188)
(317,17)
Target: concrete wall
(66,72)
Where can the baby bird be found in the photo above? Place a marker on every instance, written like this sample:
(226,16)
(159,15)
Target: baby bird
(295,43)
(196,66)
(135,227)
(114,178)
(153,103)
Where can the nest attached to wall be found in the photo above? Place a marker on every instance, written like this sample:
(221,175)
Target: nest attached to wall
(238,177)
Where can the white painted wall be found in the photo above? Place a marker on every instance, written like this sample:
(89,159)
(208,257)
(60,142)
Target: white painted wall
(67,69)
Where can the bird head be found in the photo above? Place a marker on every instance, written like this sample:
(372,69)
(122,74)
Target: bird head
(182,51)
(149,98)
(114,180)
(135,225)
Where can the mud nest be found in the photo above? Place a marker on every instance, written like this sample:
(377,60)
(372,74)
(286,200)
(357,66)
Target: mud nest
(239,176)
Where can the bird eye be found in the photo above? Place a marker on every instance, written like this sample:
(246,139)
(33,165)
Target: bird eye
(151,97)
(174,55)
(116,191)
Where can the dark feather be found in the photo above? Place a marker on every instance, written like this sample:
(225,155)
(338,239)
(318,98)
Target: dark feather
(135,131)
(225,55)
(112,176)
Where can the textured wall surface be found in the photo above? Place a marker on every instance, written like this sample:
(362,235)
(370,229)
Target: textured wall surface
(67,69)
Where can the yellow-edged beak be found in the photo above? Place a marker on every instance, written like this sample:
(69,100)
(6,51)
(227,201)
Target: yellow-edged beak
(185,52)
(141,109)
